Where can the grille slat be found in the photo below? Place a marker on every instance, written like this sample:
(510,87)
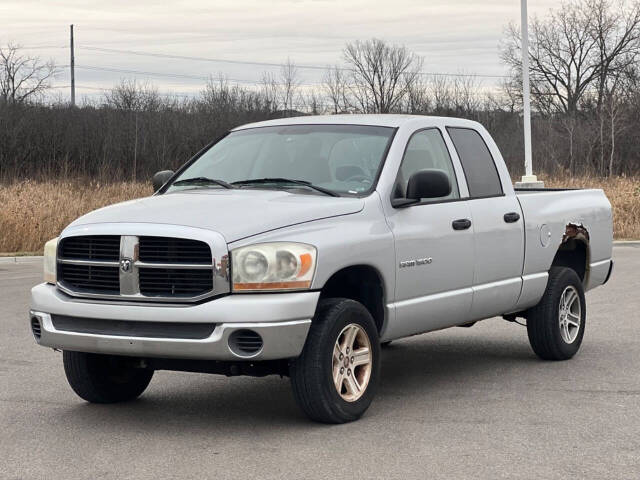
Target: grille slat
(161,281)
(91,247)
(90,277)
(174,250)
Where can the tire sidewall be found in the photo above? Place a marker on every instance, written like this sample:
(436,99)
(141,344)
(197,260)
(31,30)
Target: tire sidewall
(352,312)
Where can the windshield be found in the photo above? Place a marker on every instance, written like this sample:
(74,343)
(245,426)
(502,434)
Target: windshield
(339,158)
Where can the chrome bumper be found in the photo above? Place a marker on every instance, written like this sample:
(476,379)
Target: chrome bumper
(282,320)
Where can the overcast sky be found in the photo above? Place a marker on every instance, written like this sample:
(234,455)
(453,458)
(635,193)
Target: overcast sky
(455,36)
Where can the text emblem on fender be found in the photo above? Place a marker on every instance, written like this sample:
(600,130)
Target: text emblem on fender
(417,262)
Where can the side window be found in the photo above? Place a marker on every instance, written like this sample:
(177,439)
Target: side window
(426,150)
(477,162)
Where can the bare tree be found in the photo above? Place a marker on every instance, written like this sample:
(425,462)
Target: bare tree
(270,90)
(574,50)
(617,33)
(133,95)
(616,29)
(23,78)
(466,99)
(442,94)
(312,102)
(289,85)
(380,74)
(334,86)
(417,100)
(281,92)
(563,56)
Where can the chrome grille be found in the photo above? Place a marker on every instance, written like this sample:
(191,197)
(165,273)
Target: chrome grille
(141,268)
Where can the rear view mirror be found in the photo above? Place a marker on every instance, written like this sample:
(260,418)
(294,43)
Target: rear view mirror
(160,178)
(429,183)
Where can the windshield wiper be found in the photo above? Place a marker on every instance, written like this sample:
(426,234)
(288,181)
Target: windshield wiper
(304,183)
(202,181)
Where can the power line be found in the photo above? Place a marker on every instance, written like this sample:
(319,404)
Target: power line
(202,59)
(253,63)
(43,47)
(103,89)
(183,75)
(166,74)
(269,64)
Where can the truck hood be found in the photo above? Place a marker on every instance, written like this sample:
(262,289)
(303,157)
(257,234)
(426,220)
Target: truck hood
(235,214)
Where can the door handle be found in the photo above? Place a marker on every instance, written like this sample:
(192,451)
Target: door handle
(511,217)
(461,224)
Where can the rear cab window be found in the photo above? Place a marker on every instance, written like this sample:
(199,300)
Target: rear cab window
(477,163)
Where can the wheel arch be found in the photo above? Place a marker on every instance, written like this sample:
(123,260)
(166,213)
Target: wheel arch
(362,283)
(574,251)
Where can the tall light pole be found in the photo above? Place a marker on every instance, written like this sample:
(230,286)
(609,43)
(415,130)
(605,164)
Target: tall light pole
(73,67)
(528,179)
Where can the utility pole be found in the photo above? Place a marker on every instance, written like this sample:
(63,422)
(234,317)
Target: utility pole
(73,69)
(529,180)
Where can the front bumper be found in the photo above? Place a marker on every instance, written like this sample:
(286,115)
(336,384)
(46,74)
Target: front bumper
(281,319)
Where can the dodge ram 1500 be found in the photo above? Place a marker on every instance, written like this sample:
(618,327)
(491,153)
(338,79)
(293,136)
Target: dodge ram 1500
(300,246)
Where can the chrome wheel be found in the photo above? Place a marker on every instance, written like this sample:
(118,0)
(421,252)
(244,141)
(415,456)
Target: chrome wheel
(352,362)
(569,314)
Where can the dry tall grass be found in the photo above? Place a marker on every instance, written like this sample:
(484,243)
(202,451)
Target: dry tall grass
(32,212)
(623,193)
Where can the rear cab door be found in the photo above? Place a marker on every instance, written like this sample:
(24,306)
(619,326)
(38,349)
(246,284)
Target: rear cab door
(497,222)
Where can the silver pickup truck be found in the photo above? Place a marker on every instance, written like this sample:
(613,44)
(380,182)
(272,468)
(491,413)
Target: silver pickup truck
(301,246)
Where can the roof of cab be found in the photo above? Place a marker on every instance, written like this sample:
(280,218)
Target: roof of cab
(381,120)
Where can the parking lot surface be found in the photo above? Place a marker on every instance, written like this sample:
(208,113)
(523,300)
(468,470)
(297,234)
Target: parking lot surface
(460,403)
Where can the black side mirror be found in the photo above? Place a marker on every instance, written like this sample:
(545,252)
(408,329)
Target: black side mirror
(160,178)
(429,183)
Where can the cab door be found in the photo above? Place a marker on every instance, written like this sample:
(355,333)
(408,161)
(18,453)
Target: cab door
(498,228)
(434,246)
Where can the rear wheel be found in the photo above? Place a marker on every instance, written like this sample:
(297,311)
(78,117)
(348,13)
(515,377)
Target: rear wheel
(104,378)
(335,378)
(556,325)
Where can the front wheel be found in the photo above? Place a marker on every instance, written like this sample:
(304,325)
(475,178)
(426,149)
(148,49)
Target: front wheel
(556,325)
(104,378)
(335,377)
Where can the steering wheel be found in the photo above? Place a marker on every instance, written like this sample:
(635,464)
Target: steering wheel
(359,177)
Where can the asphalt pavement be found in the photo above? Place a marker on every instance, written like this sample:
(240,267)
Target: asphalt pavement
(460,403)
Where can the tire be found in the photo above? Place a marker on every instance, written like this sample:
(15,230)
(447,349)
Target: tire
(552,332)
(312,373)
(104,378)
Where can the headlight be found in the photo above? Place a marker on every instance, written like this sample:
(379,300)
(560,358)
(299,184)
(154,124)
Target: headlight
(273,266)
(50,249)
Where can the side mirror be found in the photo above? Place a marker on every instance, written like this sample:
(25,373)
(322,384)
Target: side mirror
(428,183)
(160,178)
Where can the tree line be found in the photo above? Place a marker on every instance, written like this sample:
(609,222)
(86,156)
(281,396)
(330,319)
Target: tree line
(585,87)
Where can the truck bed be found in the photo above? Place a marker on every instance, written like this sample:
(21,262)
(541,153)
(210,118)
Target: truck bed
(547,214)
